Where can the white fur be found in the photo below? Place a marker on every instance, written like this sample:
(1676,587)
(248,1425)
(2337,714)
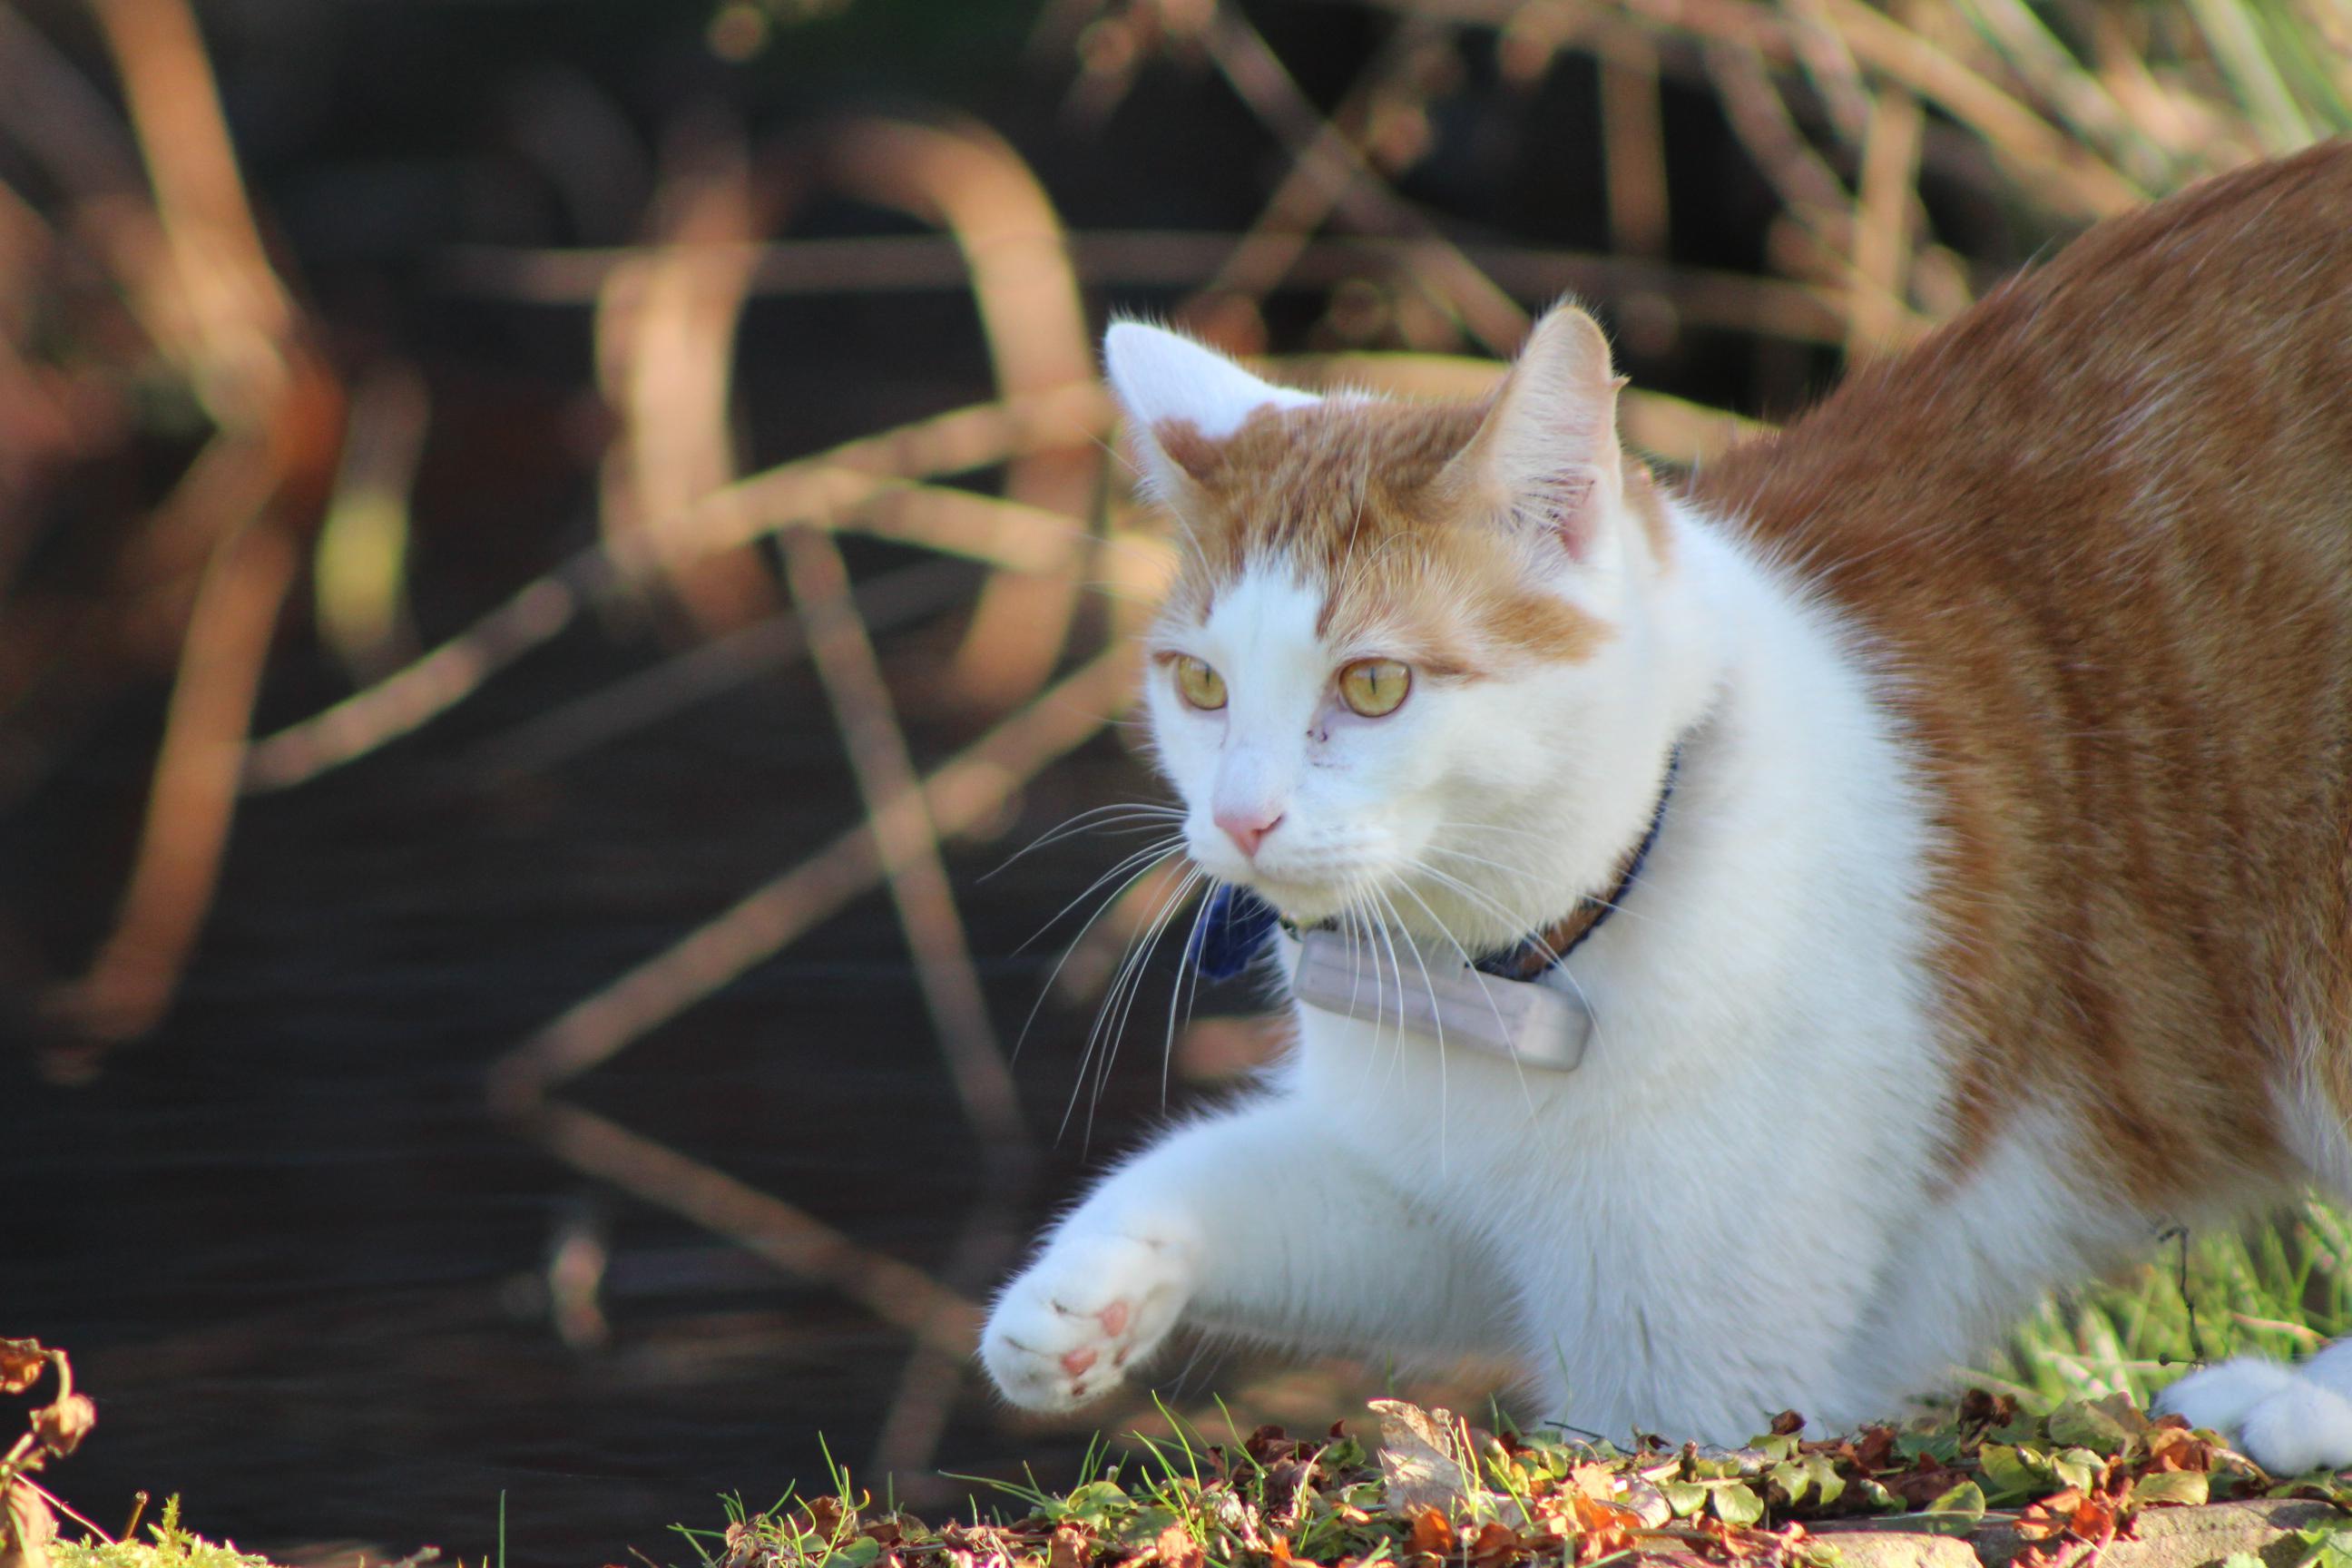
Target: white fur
(1160,377)
(1733,1207)
(2220,1397)
(2289,1420)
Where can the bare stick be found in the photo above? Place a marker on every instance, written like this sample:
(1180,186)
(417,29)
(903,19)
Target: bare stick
(786,1235)
(1018,260)
(965,792)
(905,837)
(816,489)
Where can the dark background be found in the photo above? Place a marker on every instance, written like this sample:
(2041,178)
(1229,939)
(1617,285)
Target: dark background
(300,1264)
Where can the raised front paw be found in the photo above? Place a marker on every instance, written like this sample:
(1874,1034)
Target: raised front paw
(1066,1330)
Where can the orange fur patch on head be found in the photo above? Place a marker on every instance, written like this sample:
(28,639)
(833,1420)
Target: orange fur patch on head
(1343,494)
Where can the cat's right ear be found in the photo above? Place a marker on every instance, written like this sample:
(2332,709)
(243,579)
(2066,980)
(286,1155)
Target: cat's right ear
(1182,399)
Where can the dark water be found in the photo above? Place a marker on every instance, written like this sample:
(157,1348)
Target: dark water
(297,1263)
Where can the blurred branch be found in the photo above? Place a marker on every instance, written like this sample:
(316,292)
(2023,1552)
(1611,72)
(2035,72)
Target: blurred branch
(786,1234)
(1732,301)
(665,324)
(905,840)
(217,306)
(1357,191)
(821,489)
(1015,259)
(698,673)
(1881,226)
(967,791)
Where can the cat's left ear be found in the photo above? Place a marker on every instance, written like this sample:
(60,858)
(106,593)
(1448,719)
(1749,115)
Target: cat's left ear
(1546,456)
(1183,400)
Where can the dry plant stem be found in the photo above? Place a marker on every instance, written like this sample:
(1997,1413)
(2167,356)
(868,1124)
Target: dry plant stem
(1304,198)
(1266,86)
(1882,227)
(220,310)
(1633,150)
(2044,158)
(1017,260)
(816,489)
(965,792)
(130,982)
(666,325)
(905,837)
(238,317)
(696,674)
(790,1237)
(1183,260)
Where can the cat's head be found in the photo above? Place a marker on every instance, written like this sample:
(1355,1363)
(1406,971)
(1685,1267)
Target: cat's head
(1407,657)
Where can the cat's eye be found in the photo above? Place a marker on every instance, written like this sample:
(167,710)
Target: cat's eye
(1204,688)
(1375,686)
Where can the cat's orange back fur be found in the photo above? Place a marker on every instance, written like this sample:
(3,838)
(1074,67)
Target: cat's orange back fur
(2101,527)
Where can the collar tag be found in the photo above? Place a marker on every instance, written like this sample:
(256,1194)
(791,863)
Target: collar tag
(1526,1022)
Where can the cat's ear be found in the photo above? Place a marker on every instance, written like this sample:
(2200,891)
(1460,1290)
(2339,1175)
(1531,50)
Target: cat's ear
(1545,456)
(1181,399)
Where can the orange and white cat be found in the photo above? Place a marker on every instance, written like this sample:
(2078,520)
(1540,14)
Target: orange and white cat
(1944,807)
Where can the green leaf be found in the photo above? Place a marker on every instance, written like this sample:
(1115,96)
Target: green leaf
(1828,1485)
(2084,1426)
(1778,1448)
(1956,1512)
(2171,1487)
(2013,1473)
(1685,1498)
(1944,1447)
(856,1552)
(2242,1560)
(1794,1481)
(2079,1468)
(1735,1502)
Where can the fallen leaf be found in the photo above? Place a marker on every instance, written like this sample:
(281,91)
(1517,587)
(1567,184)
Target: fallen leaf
(1177,1548)
(64,1425)
(22,1362)
(1430,1533)
(26,1526)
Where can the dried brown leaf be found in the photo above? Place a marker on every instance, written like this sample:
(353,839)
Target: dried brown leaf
(22,1362)
(62,1427)
(1431,1532)
(26,1527)
(1175,1548)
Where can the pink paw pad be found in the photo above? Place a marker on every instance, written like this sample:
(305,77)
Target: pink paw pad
(1114,1319)
(1076,1361)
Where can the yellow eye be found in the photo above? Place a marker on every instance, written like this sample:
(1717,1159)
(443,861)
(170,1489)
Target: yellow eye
(1375,686)
(1202,687)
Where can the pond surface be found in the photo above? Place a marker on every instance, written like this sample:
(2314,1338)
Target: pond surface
(303,1270)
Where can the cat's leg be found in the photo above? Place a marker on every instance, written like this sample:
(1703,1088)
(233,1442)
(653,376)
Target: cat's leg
(1258,1220)
(2288,1417)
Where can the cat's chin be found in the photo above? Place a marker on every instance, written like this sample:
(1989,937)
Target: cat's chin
(1304,903)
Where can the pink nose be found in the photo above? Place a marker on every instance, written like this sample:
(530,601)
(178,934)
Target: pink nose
(1248,827)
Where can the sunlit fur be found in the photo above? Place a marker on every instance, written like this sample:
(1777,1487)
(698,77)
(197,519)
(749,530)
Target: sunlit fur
(2000,918)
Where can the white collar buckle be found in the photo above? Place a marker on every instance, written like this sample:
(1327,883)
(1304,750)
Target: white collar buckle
(1522,1020)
